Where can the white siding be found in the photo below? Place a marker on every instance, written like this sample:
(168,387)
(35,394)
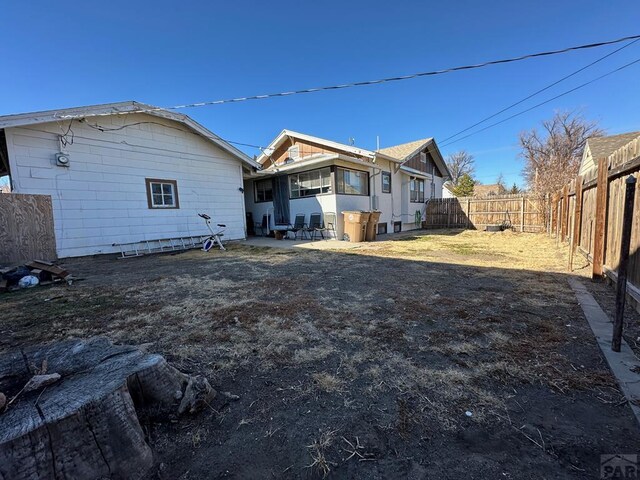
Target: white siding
(395,206)
(101,198)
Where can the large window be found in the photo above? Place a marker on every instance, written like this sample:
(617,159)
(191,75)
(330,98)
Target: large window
(352,182)
(307,184)
(386,182)
(416,187)
(162,193)
(264,190)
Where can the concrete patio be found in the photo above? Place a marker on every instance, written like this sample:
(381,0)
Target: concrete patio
(329,244)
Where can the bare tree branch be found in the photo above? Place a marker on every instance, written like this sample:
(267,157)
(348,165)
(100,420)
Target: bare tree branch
(459,164)
(553,158)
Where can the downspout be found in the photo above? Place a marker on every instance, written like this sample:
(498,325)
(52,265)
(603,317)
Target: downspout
(373,181)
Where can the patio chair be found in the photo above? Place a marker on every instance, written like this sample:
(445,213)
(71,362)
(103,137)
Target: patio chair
(330,223)
(263,227)
(316,226)
(299,226)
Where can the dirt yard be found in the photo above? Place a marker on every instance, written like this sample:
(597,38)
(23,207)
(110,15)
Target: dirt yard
(442,355)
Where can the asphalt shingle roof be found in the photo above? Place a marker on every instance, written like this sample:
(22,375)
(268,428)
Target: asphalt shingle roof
(604,146)
(403,150)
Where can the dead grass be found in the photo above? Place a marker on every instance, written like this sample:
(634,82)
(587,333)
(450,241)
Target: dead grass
(420,330)
(318,452)
(328,383)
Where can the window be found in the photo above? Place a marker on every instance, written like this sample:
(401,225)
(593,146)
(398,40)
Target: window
(264,190)
(352,182)
(416,187)
(162,193)
(423,157)
(386,182)
(308,184)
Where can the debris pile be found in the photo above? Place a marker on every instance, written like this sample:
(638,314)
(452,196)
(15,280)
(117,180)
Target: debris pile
(36,272)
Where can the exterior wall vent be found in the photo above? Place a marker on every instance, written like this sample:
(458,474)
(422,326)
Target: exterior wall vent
(294,152)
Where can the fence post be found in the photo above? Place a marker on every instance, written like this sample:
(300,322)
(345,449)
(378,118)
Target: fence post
(602,194)
(577,221)
(468,212)
(625,243)
(566,221)
(554,214)
(522,216)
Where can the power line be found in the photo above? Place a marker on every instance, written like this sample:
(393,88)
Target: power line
(379,81)
(102,128)
(538,91)
(543,103)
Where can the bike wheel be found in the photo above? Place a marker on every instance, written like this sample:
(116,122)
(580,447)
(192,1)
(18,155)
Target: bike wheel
(207,244)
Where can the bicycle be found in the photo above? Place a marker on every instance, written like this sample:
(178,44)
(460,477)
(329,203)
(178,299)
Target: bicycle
(215,237)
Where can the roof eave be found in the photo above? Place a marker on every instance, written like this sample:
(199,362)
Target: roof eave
(121,108)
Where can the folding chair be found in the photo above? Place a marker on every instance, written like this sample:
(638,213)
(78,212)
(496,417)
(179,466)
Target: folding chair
(330,223)
(263,226)
(299,225)
(316,226)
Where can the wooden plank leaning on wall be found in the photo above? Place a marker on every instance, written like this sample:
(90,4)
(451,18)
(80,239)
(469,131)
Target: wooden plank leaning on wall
(577,221)
(602,194)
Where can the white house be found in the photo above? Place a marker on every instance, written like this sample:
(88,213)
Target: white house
(306,174)
(124,172)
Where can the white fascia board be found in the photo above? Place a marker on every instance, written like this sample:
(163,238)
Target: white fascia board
(121,108)
(416,173)
(282,136)
(388,158)
(312,161)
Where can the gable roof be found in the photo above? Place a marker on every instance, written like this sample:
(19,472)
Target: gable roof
(491,189)
(121,108)
(285,134)
(604,146)
(405,151)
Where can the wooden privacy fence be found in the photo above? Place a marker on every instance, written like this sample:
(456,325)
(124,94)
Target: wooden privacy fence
(525,213)
(26,228)
(587,213)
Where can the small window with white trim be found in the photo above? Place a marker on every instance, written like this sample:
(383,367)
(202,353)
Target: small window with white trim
(416,189)
(386,182)
(162,193)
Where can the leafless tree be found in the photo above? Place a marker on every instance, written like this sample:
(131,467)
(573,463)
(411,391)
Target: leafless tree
(459,164)
(552,157)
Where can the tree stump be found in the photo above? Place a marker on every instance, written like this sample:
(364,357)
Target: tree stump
(85,425)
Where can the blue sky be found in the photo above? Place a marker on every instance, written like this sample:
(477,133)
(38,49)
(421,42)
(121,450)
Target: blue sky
(62,54)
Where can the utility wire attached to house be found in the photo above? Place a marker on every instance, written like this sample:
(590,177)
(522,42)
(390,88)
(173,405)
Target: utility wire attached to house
(379,81)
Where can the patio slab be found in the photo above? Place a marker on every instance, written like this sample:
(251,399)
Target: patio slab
(331,244)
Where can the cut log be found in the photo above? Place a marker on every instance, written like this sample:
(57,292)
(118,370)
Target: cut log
(85,425)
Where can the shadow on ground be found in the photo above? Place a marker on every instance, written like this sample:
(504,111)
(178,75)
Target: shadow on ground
(356,364)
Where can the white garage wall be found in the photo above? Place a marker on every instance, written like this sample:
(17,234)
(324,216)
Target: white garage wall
(101,198)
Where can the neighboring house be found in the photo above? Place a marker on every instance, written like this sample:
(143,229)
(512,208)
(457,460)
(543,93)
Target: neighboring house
(488,190)
(306,174)
(447,190)
(602,147)
(133,172)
